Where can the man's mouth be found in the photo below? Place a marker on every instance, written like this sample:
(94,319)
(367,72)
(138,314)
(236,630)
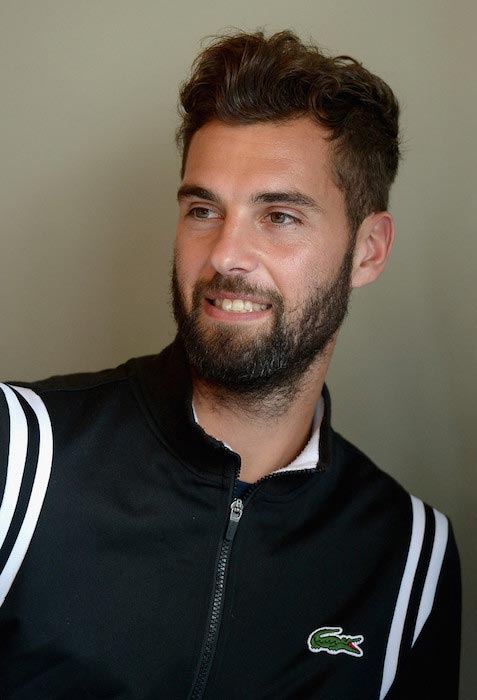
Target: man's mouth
(238,306)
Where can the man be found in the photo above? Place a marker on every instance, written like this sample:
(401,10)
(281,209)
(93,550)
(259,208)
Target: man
(188,525)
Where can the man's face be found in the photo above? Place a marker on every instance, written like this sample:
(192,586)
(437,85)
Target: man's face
(263,259)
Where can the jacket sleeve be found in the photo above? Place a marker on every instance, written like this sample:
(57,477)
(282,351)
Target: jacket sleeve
(26,458)
(6,511)
(431,668)
(4,431)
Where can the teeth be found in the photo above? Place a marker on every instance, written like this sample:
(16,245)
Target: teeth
(239,306)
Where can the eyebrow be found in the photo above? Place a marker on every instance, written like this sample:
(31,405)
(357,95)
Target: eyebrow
(188,191)
(293,197)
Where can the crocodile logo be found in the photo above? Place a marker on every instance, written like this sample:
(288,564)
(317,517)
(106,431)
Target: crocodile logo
(332,641)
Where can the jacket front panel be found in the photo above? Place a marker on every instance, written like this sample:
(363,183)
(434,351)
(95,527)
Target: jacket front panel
(107,594)
(113,597)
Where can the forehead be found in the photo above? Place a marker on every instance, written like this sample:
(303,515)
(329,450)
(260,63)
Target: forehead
(294,153)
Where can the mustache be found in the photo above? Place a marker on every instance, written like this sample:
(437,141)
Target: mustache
(238,285)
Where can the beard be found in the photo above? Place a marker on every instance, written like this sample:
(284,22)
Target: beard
(254,363)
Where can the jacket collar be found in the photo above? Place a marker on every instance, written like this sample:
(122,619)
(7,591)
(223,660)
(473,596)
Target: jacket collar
(165,386)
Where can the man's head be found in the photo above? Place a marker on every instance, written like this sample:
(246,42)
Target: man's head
(272,233)
(249,79)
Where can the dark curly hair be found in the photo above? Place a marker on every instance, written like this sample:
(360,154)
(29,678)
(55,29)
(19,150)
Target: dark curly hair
(249,78)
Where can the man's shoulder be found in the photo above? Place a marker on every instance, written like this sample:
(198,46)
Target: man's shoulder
(354,459)
(73,405)
(77,381)
(364,476)
(84,381)
(375,485)
(66,401)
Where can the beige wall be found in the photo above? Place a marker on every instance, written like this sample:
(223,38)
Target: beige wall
(87,183)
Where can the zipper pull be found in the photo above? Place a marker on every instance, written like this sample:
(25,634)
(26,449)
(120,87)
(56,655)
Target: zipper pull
(236,510)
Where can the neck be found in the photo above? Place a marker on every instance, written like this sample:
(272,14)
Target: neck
(267,431)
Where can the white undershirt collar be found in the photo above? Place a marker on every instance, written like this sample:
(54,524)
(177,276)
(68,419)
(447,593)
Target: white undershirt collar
(309,456)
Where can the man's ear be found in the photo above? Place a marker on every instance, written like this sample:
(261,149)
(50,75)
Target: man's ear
(374,240)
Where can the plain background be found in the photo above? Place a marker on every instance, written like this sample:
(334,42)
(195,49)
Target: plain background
(88,177)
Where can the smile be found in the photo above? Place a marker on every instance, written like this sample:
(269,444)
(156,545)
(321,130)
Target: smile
(238,306)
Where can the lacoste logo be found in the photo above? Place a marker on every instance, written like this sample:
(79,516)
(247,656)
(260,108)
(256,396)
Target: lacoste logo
(332,641)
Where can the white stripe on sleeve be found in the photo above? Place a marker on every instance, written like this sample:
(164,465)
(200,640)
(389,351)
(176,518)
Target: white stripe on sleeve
(17,451)
(40,484)
(435,565)
(400,611)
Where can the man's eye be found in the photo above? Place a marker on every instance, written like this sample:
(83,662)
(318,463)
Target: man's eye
(201,213)
(279,217)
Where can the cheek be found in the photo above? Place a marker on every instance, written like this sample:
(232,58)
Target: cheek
(181,271)
(191,258)
(188,271)
(319,265)
(297,271)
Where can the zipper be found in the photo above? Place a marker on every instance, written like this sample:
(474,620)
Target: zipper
(207,656)
(215,616)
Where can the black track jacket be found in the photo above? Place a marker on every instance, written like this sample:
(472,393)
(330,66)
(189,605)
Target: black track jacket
(141,576)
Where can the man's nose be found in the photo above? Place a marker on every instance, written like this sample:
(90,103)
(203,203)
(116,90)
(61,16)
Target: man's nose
(234,249)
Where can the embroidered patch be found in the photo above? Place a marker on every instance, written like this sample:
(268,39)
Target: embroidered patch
(332,641)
